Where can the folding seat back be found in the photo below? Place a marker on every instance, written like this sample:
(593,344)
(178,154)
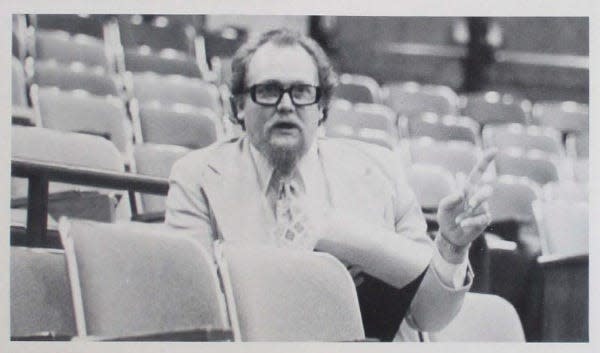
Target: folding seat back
(19,88)
(91,25)
(524,137)
(171,89)
(83,150)
(446,128)
(578,145)
(223,42)
(156,160)
(482,318)
(164,63)
(535,165)
(564,116)
(40,296)
(495,108)
(358,89)
(133,279)
(581,170)
(455,156)
(283,294)
(75,76)
(178,124)
(566,190)
(411,99)
(563,226)
(157,33)
(430,183)
(46,145)
(66,48)
(79,111)
(374,116)
(372,136)
(511,199)
(18,46)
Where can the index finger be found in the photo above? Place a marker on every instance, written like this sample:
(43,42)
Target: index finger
(480,167)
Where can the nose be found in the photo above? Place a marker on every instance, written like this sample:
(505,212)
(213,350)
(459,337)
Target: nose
(285,105)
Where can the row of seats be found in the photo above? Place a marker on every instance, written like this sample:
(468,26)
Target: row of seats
(411,99)
(97,288)
(163,44)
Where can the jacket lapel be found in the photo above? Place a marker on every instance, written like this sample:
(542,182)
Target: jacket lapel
(233,191)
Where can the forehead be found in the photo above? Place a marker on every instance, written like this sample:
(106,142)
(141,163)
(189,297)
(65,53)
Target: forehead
(286,64)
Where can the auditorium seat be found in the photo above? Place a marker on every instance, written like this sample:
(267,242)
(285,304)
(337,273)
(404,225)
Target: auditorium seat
(566,190)
(19,36)
(132,279)
(525,137)
(372,136)
(444,128)
(482,318)
(157,33)
(79,111)
(371,123)
(512,197)
(495,108)
(41,307)
(177,124)
(223,42)
(156,160)
(566,117)
(66,48)
(581,170)
(455,156)
(170,89)
(358,89)
(430,183)
(165,62)
(412,99)
(19,86)
(578,145)
(563,226)
(282,294)
(536,165)
(95,80)
(91,25)
(46,145)
(362,121)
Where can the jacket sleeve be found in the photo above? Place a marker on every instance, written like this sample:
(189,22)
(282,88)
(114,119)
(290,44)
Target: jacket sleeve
(436,301)
(187,209)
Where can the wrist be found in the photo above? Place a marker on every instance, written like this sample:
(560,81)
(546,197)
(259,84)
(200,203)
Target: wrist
(454,254)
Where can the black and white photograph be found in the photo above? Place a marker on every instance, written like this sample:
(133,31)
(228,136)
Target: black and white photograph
(188,176)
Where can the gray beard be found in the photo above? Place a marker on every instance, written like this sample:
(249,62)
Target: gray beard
(284,159)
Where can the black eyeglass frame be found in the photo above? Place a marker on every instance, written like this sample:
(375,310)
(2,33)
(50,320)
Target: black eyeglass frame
(252,91)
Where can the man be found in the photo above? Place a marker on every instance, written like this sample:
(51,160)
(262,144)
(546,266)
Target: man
(281,184)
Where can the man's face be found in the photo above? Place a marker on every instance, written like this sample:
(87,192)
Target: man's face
(283,133)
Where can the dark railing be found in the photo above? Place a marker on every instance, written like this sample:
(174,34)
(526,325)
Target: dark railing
(40,174)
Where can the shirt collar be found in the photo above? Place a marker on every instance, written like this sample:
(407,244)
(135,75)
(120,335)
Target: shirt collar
(307,167)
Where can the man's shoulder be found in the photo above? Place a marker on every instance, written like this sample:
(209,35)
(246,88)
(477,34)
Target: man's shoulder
(354,151)
(194,161)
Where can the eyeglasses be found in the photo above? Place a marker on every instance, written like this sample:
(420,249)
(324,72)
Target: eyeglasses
(270,94)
